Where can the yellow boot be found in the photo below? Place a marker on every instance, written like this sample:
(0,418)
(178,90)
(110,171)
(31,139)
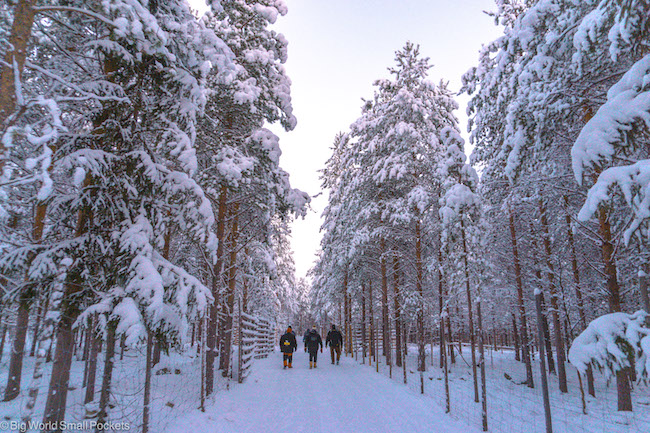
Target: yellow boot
(285,363)
(311,365)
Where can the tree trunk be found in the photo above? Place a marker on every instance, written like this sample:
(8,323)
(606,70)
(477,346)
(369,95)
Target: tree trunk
(441,304)
(515,337)
(607,248)
(109,360)
(396,300)
(482,364)
(95,342)
(230,297)
(345,307)
(546,333)
(18,348)
(522,308)
(57,395)
(14,61)
(3,335)
(555,312)
(385,322)
(420,291)
(364,341)
(372,322)
(45,340)
(213,319)
(469,312)
(147,384)
(42,311)
(157,348)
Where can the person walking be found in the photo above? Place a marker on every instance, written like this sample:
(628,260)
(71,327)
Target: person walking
(312,342)
(335,341)
(288,345)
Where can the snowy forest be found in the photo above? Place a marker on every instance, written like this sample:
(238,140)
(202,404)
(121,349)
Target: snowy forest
(146,269)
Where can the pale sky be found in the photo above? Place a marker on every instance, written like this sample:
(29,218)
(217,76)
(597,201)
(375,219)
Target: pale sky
(337,48)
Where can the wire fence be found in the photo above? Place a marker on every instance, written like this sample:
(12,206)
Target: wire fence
(177,381)
(512,407)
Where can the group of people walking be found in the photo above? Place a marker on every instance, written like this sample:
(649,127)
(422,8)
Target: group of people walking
(312,343)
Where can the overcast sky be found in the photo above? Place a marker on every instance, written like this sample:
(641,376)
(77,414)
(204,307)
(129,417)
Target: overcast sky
(337,48)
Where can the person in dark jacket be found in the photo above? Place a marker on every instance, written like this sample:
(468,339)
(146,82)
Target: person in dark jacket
(335,341)
(312,342)
(288,345)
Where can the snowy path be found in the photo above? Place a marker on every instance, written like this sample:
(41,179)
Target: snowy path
(345,398)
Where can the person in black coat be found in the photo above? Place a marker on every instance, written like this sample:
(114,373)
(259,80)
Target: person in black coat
(288,345)
(312,342)
(335,340)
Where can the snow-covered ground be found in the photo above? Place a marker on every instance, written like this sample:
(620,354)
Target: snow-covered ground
(515,408)
(331,398)
(350,397)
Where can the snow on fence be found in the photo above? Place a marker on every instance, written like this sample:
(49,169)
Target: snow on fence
(256,341)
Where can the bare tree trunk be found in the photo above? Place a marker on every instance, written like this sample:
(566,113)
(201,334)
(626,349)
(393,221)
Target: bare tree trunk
(546,333)
(147,384)
(396,300)
(57,395)
(420,291)
(452,355)
(515,337)
(522,308)
(42,311)
(45,341)
(157,348)
(482,364)
(547,338)
(230,297)
(18,348)
(14,61)
(385,322)
(469,312)
(607,248)
(3,335)
(555,312)
(372,322)
(109,360)
(91,365)
(213,319)
(364,341)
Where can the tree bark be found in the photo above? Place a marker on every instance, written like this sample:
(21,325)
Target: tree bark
(18,348)
(213,319)
(109,361)
(482,364)
(420,291)
(385,323)
(95,342)
(69,311)
(623,388)
(364,341)
(469,311)
(520,298)
(230,296)
(21,30)
(147,384)
(515,337)
(396,300)
(555,312)
(372,322)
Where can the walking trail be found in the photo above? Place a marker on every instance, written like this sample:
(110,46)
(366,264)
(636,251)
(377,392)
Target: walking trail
(349,397)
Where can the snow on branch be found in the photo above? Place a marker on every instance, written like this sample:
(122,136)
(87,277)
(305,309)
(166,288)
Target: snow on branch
(613,342)
(628,102)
